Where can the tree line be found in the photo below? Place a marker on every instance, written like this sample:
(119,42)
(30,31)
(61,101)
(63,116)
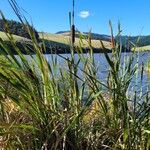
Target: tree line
(17,28)
(137,40)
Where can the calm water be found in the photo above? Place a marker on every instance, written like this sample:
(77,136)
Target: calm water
(103,68)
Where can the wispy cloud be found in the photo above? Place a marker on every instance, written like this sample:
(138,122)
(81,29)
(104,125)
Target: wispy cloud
(84,14)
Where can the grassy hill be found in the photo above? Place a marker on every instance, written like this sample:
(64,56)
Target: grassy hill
(143,48)
(94,36)
(16,37)
(65,39)
(59,39)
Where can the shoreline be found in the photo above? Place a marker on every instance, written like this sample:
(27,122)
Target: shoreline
(60,49)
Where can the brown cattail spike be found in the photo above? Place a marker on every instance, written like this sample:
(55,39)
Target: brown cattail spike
(73,33)
(73,26)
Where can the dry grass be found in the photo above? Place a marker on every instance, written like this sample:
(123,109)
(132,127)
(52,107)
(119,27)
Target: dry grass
(143,48)
(66,40)
(16,37)
(62,39)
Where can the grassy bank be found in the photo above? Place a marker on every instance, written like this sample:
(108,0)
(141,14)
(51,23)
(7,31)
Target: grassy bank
(51,106)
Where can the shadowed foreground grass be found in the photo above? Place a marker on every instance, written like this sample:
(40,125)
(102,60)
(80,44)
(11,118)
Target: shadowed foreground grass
(50,107)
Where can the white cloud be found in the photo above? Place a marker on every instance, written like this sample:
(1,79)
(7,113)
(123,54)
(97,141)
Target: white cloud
(84,14)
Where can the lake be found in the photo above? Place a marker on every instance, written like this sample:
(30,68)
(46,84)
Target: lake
(103,68)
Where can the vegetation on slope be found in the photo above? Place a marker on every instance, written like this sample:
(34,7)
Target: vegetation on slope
(54,43)
(16,28)
(16,37)
(143,48)
(94,36)
(81,40)
(142,40)
(20,34)
(61,39)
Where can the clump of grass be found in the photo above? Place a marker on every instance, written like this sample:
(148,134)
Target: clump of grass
(47,106)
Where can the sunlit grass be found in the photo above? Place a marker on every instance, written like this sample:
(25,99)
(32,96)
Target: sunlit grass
(59,39)
(143,48)
(66,40)
(16,37)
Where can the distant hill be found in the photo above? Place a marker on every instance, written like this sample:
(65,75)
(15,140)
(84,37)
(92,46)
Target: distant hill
(60,42)
(64,38)
(140,41)
(94,36)
(56,43)
(142,48)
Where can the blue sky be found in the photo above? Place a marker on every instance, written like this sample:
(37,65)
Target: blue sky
(52,15)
